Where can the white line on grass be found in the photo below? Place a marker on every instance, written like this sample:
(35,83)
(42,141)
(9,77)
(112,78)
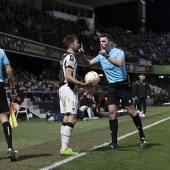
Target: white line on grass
(96,147)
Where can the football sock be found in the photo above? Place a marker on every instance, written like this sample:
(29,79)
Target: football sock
(8,133)
(66,135)
(113,130)
(62,130)
(138,123)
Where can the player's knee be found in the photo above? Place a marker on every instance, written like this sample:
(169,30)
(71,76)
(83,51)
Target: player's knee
(70,124)
(112,115)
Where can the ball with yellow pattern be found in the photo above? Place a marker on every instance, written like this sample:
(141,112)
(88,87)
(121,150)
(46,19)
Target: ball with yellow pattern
(92,77)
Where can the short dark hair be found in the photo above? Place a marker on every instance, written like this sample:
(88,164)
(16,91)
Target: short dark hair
(68,40)
(107,35)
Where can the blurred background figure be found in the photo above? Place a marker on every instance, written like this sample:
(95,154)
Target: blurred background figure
(142,92)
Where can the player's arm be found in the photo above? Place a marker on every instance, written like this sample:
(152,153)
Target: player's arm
(84,59)
(71,79)
(148,90)
(88,62)
(117,62)
(10,75)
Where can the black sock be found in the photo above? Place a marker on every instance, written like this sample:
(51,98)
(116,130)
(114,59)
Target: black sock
(138,123)
(113,130)
(144,109)
(8,133)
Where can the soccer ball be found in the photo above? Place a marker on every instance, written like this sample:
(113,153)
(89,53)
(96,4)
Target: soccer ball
(92,77)
(51,119)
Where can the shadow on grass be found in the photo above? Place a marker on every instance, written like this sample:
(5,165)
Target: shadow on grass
(123,148)
(24,157)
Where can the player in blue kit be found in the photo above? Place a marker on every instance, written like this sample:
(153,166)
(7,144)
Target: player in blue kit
(4,108)
(112,60)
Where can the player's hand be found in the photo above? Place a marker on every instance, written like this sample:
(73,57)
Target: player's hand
(103,51)
(81,50)
(89,84)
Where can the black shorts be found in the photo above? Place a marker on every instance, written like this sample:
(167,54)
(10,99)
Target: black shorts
(3,99)
(119,91)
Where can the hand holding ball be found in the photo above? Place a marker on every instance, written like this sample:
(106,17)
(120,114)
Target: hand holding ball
(92,77)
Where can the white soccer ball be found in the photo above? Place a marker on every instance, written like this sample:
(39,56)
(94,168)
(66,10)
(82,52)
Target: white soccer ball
(51,119)
(92,77)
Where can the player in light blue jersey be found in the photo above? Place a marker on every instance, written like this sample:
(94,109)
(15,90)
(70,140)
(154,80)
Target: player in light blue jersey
(112,60)
(4,108)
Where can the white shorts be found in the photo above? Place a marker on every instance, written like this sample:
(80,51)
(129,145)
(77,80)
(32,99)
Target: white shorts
(83,108)
(68,100)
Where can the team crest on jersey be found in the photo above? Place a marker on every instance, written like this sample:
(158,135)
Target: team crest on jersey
(71,57)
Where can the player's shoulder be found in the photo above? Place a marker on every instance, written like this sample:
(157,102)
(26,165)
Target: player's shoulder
(1,50)
(69,56)
(137,82)
(118,49)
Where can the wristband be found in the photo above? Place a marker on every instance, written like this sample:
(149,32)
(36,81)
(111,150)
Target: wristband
(107,56)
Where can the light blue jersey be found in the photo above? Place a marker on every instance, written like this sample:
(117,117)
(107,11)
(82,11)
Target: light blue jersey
(3,61)
(113,73)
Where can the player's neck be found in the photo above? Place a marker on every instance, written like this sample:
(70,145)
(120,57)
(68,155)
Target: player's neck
(71,51)
(109,49)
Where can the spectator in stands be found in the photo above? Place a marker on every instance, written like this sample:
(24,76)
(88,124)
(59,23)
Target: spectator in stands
(88,105)
(142,91)
(102,104)
(40,88)
(48,93)
(4,108)
(112,60)
(17,98)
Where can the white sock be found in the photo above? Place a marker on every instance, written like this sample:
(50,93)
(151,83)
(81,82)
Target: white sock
(62,131)
(89,112)
(66,137)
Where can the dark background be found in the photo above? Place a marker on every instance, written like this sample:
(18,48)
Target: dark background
(126,15)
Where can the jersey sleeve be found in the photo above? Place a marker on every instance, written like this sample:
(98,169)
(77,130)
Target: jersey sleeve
(4,58)
(97,58)
(121,54)
(70,61)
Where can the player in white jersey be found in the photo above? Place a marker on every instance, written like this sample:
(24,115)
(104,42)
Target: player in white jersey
(68,92)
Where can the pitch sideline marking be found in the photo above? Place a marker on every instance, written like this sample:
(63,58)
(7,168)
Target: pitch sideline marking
(96,147)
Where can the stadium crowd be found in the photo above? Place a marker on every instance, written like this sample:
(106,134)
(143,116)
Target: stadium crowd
(34,24)
(148,45)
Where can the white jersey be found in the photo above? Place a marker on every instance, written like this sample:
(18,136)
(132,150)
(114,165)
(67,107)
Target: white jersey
(69,61)
(68,91)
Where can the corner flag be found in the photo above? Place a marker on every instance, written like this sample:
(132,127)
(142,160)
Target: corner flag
(12,118)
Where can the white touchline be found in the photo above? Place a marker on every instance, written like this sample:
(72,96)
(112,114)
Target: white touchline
(96,147)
